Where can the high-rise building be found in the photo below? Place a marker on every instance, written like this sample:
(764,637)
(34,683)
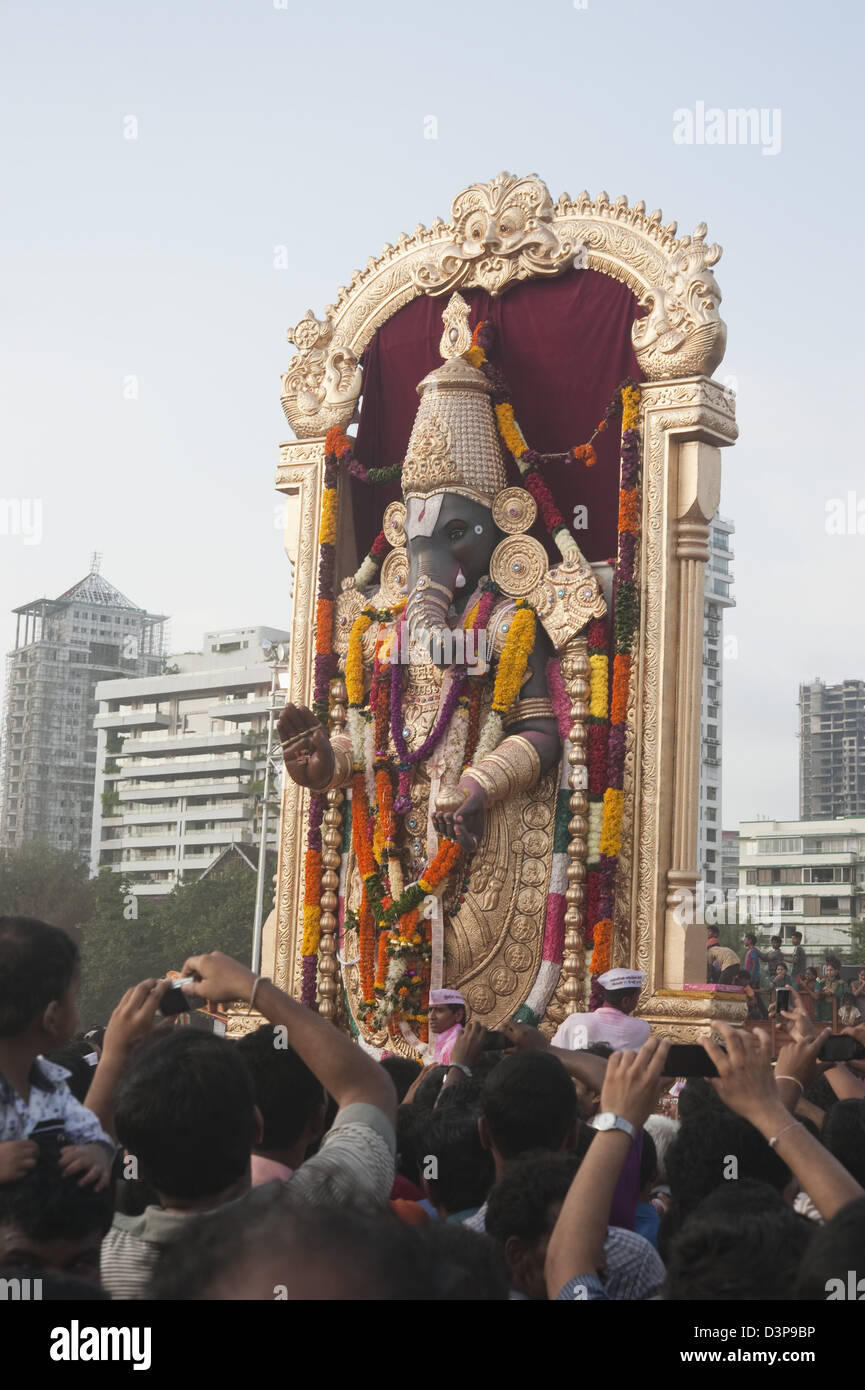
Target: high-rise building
(717,597)
(63,648)
(181,761)
(831,750)
(806,876)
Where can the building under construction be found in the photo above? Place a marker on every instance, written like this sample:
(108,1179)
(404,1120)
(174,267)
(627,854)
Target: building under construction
(831,750)
(63,648)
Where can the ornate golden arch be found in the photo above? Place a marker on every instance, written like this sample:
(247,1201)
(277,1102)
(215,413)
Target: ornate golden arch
(499,234)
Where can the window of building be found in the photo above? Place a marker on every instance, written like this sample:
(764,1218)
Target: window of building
(710,856)
(750,875)
(712,793)
(711,835)
(829,906)
(786,904)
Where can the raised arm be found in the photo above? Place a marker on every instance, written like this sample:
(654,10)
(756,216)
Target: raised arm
(342,1067)
(745,1083)
(576,1248)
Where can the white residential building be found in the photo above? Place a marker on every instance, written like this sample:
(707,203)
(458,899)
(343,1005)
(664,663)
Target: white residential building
(717,597)
(180,762)
(810,875)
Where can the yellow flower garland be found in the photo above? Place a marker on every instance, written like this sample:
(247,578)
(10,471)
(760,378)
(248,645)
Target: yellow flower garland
(514,659)
(611,827)
(354,659)
(327,528)
(311,924)
(630,408)
(510,430)
(598,678)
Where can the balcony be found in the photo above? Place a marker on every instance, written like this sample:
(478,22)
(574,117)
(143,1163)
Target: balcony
(136,719)
(181,745)
(194,767)
(178,790)
(239,711)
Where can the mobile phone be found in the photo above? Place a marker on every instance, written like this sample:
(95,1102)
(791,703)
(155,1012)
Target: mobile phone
(174,1001)
(50,1135)
(783,1000)
(842,1048)
(689,1059)
(496,1042)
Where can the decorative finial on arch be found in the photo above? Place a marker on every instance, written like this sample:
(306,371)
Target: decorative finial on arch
(457,337)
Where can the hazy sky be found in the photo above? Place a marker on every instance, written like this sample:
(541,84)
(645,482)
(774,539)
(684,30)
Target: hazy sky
(143,319)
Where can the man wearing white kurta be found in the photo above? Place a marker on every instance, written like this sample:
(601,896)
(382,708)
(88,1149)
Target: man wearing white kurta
(611,1023)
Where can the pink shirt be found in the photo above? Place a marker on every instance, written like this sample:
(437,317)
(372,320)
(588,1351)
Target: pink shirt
(266,1169)
(607,1025)
(444,1043)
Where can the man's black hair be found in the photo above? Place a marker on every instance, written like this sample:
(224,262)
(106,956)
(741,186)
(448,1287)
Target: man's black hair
(696,1096)
(648,1160)
(701,1158)
(844,1136)
(835,1250)
(455,1161)
(742,1242)
(402,1072)
(427,1092)
(529,1102)
(617,997)
(374,1255)
(521,1201)
(80,1072)
(185,1108)
(286,1092)
(37,965)
(465,1265)
(794,934)
(45,1205)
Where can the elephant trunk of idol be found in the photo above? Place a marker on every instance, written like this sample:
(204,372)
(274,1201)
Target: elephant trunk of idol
(430,637)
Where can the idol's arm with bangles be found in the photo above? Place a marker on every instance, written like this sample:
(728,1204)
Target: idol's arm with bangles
(343,1068)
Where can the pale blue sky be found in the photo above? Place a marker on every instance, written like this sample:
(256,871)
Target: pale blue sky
(304,127)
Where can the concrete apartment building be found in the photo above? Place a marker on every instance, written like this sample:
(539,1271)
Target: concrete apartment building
(92,634)
(718,597)
(181,760)
(810,875)
(831,750)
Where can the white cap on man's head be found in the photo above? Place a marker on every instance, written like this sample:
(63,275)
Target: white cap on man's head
(446,996)
(622,979)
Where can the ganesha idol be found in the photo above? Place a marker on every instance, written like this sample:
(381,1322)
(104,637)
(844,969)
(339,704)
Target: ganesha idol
(451,733)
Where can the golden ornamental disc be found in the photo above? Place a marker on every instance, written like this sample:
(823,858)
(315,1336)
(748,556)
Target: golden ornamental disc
(349,606)
(394,577)
(393,524)
(514,510)
(518,564)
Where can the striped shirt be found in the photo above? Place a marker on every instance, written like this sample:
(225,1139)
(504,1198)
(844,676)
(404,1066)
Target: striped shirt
(353,1167)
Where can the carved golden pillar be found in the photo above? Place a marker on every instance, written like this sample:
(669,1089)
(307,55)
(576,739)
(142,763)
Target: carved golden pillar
(331,840)
(685,423)
(698,495)
(569,997)
(300,478)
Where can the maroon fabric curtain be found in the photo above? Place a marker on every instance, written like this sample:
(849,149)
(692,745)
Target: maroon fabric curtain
(564,346)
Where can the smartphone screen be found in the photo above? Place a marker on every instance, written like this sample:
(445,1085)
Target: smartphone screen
(174,1001)
(689,1059)
(842,1048)
(783,1000)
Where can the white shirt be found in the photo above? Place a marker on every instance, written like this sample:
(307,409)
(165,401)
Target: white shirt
(50,1099)
(603,1025)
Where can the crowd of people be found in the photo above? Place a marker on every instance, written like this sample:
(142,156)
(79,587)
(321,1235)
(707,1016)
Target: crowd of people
(157,1161)
(824,995)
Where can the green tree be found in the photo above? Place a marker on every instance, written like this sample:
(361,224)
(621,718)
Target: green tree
(37,880)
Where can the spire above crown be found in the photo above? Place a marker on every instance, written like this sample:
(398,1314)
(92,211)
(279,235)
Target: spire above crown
(454,444)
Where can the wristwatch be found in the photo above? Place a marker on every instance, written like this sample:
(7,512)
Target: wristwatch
(607,1120)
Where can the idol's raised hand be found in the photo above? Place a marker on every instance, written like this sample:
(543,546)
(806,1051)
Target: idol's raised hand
(306,749)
